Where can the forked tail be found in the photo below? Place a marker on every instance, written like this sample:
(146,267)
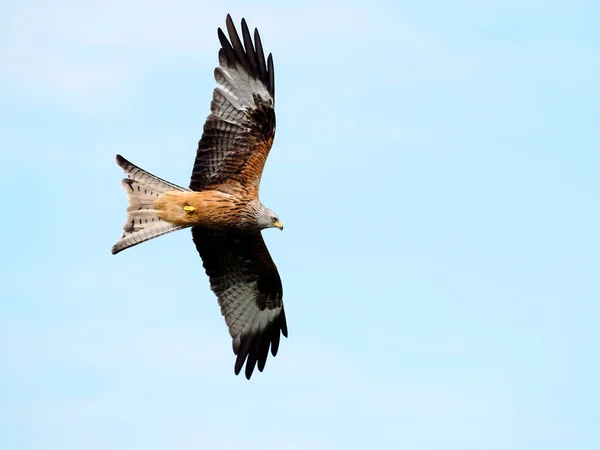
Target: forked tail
(142,222)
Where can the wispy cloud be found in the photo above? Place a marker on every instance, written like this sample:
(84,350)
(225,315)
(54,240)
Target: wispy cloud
(423,277)
(88,51)
(118,413)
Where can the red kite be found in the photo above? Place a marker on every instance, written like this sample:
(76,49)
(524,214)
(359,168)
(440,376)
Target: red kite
(222,206)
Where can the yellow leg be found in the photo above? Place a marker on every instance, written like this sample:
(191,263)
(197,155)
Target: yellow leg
(189,209)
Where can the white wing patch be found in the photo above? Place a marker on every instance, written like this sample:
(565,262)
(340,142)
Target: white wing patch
(239,88)
(242,315)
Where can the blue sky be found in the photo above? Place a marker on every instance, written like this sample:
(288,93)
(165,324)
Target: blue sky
(435,166)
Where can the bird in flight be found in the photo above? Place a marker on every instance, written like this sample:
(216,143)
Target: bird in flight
(221,205)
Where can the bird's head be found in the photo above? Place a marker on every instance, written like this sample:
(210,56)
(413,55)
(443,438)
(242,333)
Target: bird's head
(268,219)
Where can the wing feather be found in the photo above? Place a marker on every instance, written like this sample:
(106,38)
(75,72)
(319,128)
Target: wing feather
(240,52)
(239,132)
(227,49)
(248,287)
(260,54)
(252,60)
(271,71)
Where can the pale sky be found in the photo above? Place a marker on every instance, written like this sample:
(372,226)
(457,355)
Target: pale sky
(436,166)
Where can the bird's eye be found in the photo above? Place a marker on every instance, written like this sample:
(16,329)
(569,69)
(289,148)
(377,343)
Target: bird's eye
(274,219)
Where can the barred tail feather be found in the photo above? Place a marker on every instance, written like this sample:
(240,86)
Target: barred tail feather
(142,189)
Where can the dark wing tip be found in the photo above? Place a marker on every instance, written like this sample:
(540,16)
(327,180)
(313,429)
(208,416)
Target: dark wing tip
(271,71)
(254,348)
(283,323)
(240,51)
(226,48)
(247,54)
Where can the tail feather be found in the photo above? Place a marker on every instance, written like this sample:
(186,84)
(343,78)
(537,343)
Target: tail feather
(143,223)
(152,181)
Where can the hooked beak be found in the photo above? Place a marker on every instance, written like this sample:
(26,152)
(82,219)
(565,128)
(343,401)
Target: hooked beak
(279,225)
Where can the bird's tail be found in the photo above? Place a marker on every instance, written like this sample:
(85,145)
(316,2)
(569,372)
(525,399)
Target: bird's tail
(143,222)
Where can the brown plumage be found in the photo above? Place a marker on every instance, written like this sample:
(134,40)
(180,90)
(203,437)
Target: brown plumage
(221,205)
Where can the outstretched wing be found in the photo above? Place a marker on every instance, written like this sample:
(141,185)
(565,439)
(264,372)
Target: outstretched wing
(239,131)
(247,284)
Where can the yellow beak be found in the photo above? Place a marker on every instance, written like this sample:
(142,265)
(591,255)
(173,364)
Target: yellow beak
(278,224)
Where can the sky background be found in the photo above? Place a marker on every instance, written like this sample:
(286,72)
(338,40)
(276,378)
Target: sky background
(436,168)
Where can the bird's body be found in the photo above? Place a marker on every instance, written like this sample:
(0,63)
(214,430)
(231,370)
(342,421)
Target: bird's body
(211,209)
(221,205)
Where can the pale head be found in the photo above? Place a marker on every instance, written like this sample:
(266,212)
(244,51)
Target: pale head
(268,219)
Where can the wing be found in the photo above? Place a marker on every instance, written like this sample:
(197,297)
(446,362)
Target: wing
(247,284)
(239,131)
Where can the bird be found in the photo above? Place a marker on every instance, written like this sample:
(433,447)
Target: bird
(222,206)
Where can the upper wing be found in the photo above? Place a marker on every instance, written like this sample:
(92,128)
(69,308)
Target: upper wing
(239,131)
(248,287)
